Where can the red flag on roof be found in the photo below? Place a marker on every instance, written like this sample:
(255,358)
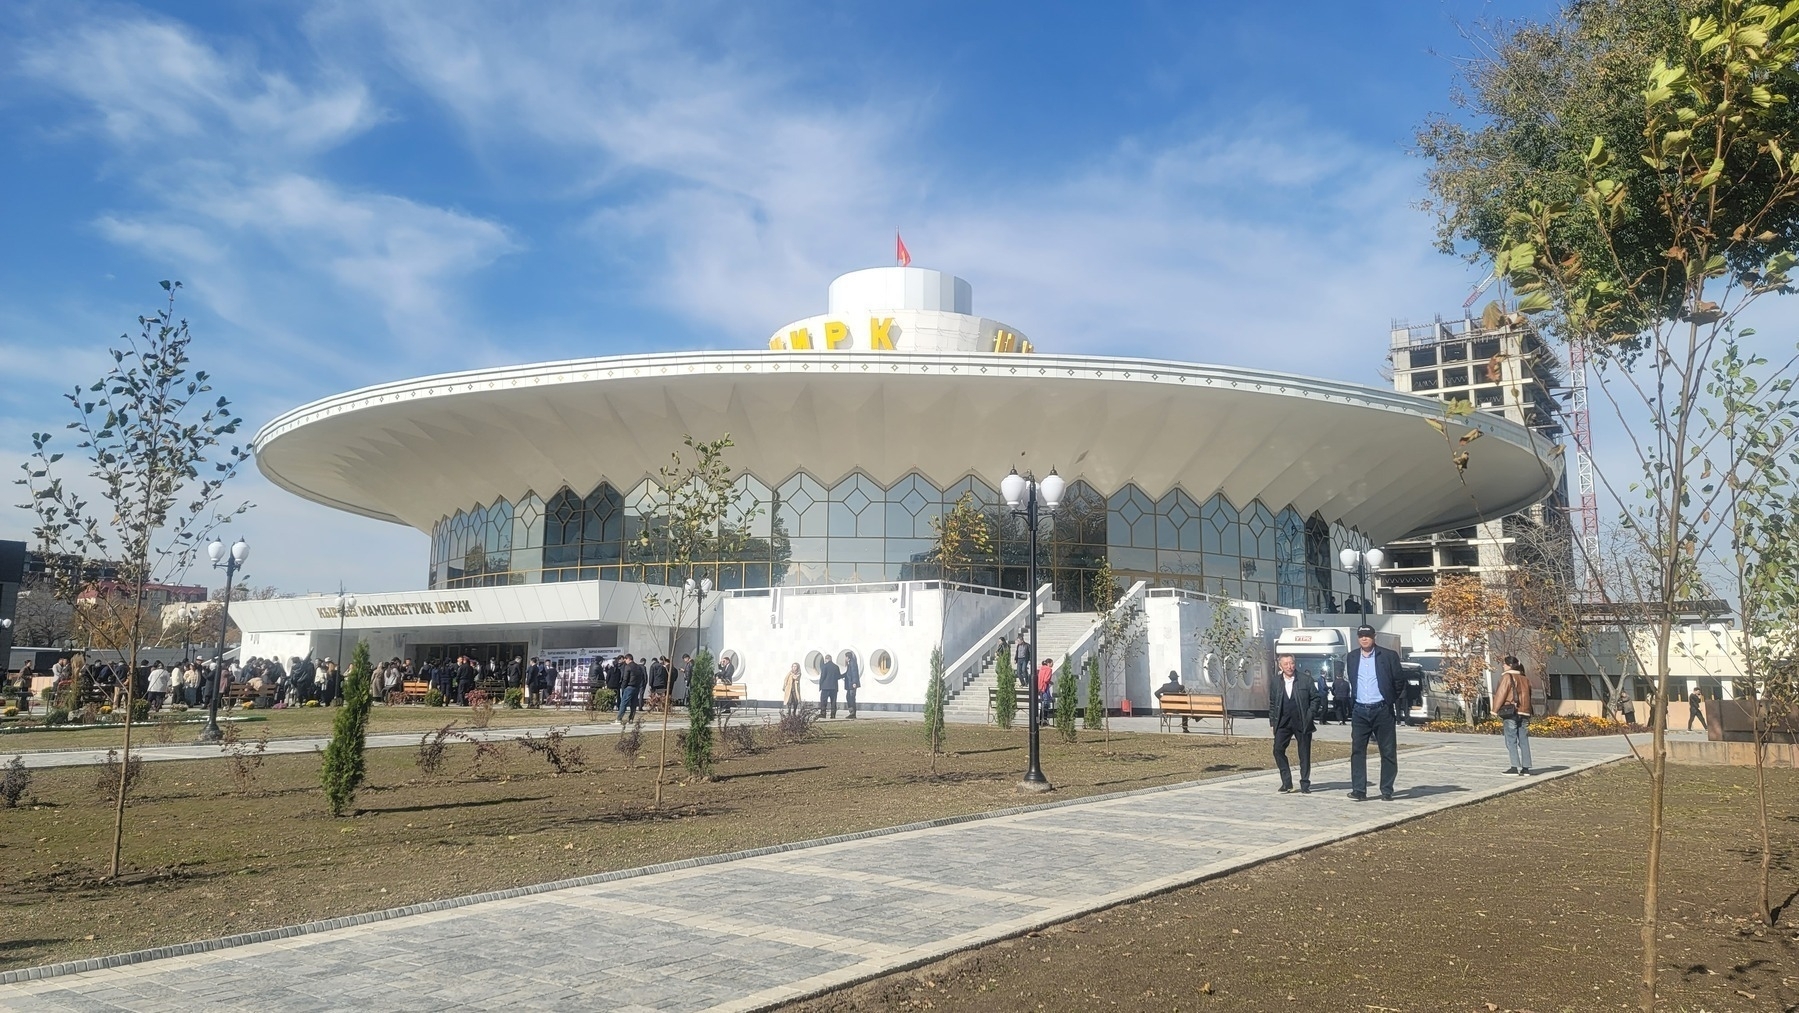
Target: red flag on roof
(899,253)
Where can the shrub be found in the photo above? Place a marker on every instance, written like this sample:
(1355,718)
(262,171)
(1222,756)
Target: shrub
(1094,716)
(556,750)
(603,699)
(740,739)
(165,729)
(11,712)
(345,765)
(696,747)
(246,757)
(1066,692)
(55,716)
(515,699)
(433,698)
(106,783)
(1005,696)
(105,708)
(15,782)
(140,710)
(249,705)
(1553,727)
(933,707)
(799,725)
(630,742)
(480,708)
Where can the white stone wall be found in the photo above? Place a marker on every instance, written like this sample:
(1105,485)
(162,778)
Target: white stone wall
(768,632)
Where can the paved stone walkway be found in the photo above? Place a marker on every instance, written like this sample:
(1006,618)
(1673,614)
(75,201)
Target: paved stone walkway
(750,931)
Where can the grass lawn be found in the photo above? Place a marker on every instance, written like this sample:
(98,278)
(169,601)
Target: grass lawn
(171,726)
(1528,902)
(209,856)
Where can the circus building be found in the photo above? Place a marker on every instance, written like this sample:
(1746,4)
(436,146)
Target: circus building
(855,431)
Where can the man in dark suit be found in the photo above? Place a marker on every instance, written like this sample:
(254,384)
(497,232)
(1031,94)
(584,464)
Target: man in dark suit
(829,675)
(1373,673)
(1293,706)
(852,681)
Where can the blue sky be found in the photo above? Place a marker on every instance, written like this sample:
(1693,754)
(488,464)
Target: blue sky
(361,191)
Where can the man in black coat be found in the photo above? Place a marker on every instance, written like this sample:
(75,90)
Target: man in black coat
(1293,706)
(852,681)
(465,679)
(829,675)
(1374,682)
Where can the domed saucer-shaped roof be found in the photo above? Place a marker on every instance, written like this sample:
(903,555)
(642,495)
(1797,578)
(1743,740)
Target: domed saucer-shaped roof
(415,451)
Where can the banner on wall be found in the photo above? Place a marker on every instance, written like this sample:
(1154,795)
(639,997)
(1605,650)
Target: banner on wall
(573,665)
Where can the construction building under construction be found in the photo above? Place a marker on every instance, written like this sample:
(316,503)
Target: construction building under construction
(1498,364)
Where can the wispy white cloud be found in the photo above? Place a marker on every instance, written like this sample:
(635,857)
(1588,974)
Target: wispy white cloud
(153,83)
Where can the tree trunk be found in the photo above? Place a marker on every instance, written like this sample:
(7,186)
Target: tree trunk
(1765,904)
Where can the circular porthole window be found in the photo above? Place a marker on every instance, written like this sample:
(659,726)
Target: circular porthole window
(810,665)
(736,661)
(881,666)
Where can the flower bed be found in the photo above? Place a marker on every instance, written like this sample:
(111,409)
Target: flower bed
(1553,727)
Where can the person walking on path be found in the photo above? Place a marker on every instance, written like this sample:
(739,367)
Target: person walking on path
(1511,701)
(1046,676)
(790,689)
(1695,709)
(852,681)
(1173,687)
(1341,695)
(1293,706)
(1374,671)
(631,681)
(829,675)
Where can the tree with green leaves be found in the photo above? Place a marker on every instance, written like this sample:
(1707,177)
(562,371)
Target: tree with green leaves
(697,745)
(345,764)
(1632,170)
(698,517)
(1119,626)
(1005,690)
(934,730)
(159,451)
(1068,694)
(1758,424)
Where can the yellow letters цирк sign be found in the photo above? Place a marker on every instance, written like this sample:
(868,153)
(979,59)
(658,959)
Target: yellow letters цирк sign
(880,338)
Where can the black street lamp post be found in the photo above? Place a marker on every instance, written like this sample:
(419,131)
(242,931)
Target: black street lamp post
(700,588)
(1361,563)
(240,551)
(1030,499)
(345,602)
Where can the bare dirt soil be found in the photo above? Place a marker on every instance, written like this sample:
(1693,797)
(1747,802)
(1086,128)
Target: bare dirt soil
(183,727)
(1529,902)
(208,855)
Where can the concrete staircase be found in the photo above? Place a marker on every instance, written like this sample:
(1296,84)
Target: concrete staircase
(1056,633)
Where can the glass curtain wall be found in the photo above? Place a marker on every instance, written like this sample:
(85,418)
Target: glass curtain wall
(802,531)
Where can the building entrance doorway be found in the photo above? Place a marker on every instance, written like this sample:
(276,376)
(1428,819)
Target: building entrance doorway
(500,654)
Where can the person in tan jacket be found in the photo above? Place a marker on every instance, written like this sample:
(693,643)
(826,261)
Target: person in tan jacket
(1511,701)
(790,689)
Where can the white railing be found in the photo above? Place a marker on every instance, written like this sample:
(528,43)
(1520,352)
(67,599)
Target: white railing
(964,669)
(1088,642)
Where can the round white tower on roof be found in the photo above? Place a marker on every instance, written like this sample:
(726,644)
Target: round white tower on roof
(899,288)
(911,309)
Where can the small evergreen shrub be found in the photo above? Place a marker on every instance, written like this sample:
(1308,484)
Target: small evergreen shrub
(933,707)
(1094,717)
(433,698)
(696,746)
(515,699)
(1005,696)
(345,764)
(603,700)
(140,710)
(55,716)
(15,782)
(1067,694)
